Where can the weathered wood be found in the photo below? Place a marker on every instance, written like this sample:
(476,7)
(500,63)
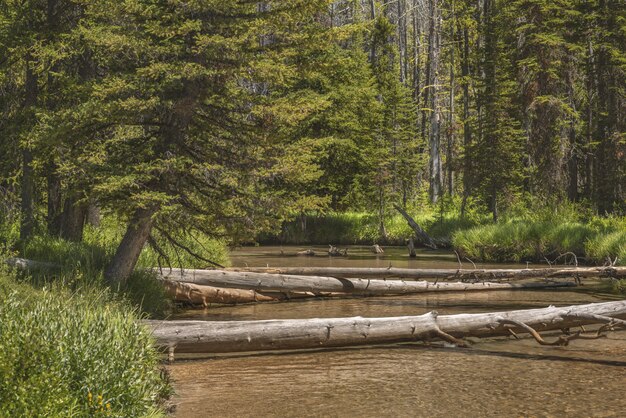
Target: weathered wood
(443,274)
(287,334)
(319,284)
(336,251)
(377,249)
(26,264)
(199,295)
(205,295)
(422,236)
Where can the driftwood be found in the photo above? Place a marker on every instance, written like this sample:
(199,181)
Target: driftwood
(422,236)
(443,274)
(411,246)
(288,334)
(317,284)
(377,249)
(336,251)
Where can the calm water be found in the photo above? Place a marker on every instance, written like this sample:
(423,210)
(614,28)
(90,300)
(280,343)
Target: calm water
(497,377)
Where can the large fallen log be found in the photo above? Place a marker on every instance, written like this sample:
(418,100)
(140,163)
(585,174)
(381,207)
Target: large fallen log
(199,295)
(317,284)
(288,334)
(442,274)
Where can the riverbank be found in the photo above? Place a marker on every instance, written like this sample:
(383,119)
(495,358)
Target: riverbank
(561,235)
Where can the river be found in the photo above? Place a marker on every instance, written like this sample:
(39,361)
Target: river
(495,377)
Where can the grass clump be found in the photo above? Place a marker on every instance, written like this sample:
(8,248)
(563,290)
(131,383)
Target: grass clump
(75,354)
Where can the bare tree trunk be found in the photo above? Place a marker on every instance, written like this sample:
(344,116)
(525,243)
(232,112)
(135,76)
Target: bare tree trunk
(451,124)
(127,253)
(27,223)
(467,130)
(421,235)
(434,139)
(285,334)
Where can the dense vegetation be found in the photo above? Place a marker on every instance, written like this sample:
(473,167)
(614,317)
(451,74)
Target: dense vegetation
(80,353)
(186,121)
(154,132)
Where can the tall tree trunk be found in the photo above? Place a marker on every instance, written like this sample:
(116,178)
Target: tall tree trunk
(467,129)
(127,254)
(451,128)
(27,223)
(434,138)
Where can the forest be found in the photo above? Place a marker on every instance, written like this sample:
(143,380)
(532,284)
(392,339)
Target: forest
(137,133)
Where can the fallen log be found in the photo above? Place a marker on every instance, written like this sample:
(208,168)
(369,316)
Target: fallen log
(421,235)
(289,334)
(26,264)
(442,274)
(199,295)
(318,284)
(193,294)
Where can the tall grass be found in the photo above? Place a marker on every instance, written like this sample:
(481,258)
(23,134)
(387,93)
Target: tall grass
(363,228)
(83,263)
(69,354)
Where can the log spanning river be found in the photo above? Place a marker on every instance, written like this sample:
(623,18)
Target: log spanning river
(497,377)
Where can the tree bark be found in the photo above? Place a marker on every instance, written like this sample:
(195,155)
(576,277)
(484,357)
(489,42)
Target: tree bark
(289,334)
(73,219)
(54,201)
(127,253)
(319,284)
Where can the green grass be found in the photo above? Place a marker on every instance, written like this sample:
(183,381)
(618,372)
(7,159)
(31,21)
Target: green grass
(83,263)
(536,240)
(75,353)
(362,228)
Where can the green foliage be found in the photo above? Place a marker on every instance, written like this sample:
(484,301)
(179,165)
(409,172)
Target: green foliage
(65,354)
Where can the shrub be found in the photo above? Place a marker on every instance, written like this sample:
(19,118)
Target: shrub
(64,354)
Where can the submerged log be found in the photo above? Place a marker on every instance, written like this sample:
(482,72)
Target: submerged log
(289,334)
(443,274)
(318,284)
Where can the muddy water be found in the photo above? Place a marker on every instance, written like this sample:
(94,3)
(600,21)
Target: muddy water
(497,377)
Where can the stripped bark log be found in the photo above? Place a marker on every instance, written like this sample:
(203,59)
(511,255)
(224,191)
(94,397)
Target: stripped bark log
(289,334)
(442,274)
(319,284)
(199,295)
(421,235)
